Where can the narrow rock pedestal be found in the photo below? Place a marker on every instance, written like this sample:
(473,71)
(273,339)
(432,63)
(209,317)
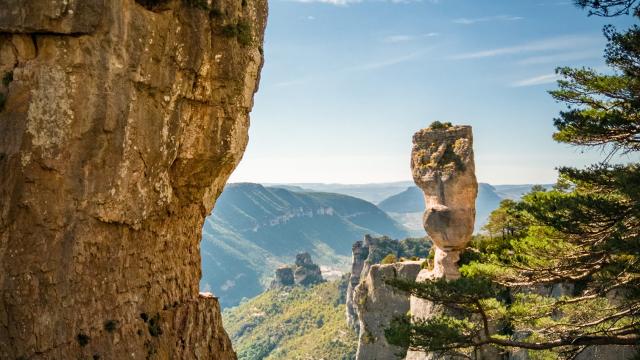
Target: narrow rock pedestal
(443,167)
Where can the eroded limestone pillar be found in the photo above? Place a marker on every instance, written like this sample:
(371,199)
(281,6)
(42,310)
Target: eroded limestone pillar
(443,167)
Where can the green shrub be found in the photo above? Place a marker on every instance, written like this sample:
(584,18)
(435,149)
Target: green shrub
(389,259)
(437,125)
(240,30)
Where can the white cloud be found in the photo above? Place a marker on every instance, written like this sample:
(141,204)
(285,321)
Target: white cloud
(561,57)
(557,43)
(467,21)
(404,38)
(537,80)
(227,285)
(311,17)
(397,38)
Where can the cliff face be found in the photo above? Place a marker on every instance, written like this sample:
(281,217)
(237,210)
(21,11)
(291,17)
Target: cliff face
(377,305)
(120,123)
(371,251)
(360,254)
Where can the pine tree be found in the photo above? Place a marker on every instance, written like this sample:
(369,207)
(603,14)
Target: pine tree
(561,271)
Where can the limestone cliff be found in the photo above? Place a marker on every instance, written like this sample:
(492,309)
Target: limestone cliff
(370,251)
(378,304)
(120,122)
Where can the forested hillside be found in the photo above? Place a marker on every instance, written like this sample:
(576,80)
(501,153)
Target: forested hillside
(293,323)
(253,229)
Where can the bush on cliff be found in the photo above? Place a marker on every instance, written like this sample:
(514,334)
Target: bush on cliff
(389,259)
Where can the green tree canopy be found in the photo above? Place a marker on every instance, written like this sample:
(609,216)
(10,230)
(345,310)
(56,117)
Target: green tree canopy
(560,271)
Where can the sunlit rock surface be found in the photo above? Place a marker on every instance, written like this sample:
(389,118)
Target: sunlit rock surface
(377,304)
(443,168)
(119,127)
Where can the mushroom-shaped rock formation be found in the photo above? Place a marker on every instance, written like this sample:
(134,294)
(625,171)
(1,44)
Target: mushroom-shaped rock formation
(443,167)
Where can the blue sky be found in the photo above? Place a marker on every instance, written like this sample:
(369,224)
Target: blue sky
(346,83)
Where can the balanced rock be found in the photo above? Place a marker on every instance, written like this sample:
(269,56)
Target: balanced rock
(443,167)
(120,122)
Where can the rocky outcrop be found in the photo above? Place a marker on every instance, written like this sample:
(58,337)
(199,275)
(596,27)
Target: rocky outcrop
(359,255)
(443,167)
(370,251)
(284,277)
(120,122)
(305,272)
(378,304)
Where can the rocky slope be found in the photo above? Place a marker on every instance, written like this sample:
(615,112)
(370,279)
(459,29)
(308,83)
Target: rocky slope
(255,229)
(120,123)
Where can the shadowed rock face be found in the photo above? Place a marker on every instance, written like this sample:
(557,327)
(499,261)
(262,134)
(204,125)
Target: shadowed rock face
(306,272)
(284,277)
(443,167)
(120,128)
(366,254)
